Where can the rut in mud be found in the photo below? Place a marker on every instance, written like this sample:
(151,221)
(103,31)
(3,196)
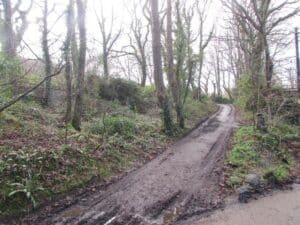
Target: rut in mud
(180,183)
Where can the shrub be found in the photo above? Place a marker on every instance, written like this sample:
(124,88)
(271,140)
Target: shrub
(222,100)
(277,174)
(246,97)
(148,96)
(120,125)
(8,68)
(112,125)
(119,89)
(92,85)
(243,154)
(148,92)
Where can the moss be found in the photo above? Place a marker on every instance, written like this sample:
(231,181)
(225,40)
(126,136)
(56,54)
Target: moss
(261,153)
(195,110)
(235,181)
(243,155)
(277,174)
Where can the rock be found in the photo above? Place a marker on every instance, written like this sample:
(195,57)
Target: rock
(260,122)
(245,193)
(254,181)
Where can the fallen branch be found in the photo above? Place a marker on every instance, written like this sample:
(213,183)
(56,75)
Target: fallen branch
(19,97)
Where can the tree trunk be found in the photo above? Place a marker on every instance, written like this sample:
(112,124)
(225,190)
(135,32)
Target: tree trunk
(9,40)
(105,64)
(218,73)
(74,46)
(170,68)
(158,73)
(76,122)
(68,69)
(47,58)
(268,65)
(144,71)
(201,55)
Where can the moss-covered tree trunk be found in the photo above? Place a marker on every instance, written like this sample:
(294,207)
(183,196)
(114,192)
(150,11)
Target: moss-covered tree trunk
(158,73)
(170,68)
(68,60)
(76,121)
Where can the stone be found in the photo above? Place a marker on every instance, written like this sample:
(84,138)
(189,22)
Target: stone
(245,193)
(253,180)
(261,122)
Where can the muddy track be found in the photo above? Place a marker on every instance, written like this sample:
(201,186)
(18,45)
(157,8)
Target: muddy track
(180,183)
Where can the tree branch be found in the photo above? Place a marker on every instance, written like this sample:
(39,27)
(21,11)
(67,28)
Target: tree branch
(21,96)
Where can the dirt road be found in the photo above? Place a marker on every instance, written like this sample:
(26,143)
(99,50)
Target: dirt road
(182,182)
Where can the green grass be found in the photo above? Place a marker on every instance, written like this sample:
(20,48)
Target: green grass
(194,110)
(262,153)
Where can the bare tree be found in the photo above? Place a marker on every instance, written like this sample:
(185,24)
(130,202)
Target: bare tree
(15,25)
(81,11)
(217,68)
(202,8)
(157,61)
(139,38)
(108,39)
(206,83)
(188,15)
(19,97)
(264,17)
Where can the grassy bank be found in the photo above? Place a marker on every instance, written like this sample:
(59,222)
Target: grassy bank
(41,158)
(271,155)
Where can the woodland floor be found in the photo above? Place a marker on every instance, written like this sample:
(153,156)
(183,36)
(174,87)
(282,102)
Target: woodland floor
(184,181)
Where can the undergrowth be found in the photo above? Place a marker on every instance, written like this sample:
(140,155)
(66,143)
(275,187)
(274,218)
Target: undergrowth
(263,153)
(41,158)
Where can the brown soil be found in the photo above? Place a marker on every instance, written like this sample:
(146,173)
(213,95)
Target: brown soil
(184,181)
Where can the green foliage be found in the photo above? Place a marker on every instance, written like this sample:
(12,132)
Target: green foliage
(222,100)
(235,180)
(247,97)
(24,172)
(111,125)
(277,174)
(263,153)
(244,133)
(105,146)
(126,92)
(27,188)
(148,92)
(285,131)
(92,85)
(195,110)
(148,97)
(9,68)
(7,119)
(268,141)
(243,154)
